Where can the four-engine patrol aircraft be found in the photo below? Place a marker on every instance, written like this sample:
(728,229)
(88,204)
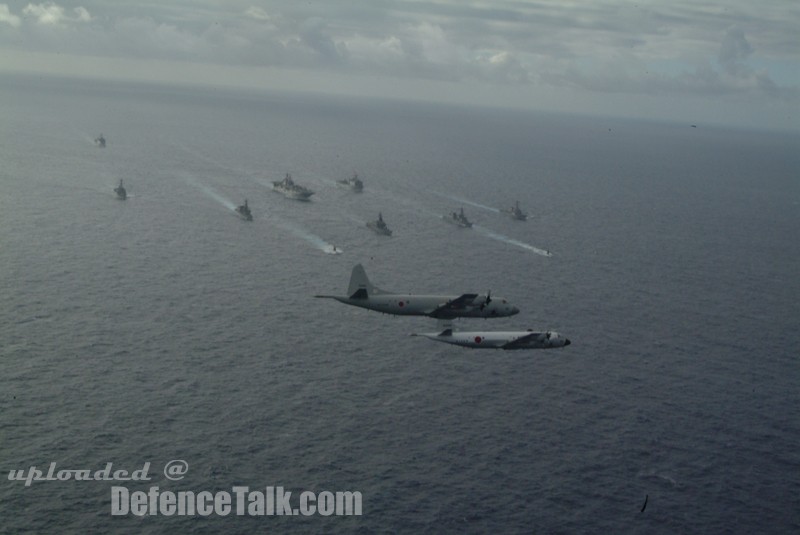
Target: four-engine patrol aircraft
(499,339)
(362,293)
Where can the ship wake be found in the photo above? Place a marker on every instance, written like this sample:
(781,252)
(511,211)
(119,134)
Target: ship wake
(511,241)
(227,203)
(471,203)
(311,238)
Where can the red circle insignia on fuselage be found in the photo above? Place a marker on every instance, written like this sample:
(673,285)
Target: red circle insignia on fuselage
(400,304)
(478,339)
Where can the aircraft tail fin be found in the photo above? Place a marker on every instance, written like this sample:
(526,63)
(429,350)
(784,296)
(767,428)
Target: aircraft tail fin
(360,286)
(445,327)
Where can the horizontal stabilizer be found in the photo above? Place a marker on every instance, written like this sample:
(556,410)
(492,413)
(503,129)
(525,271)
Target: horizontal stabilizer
(445,327)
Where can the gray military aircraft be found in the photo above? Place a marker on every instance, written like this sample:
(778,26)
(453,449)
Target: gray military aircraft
(362,293)
(499,339)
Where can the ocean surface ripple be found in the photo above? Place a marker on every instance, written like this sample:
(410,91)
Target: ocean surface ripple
(166,327)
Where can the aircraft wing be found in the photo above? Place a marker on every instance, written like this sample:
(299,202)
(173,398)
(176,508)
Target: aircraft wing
(519,342)
(454,305)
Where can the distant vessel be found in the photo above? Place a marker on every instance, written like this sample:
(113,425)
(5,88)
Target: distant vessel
(516,212)
(353,183)
(244,211)
(379,226)
(120,191)
(458,218)
(292,190)
(100,141)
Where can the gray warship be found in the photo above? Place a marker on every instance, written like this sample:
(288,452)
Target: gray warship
(458,219)
(244,211)
(120,191)
(379,226)
(292,190)
(354,183)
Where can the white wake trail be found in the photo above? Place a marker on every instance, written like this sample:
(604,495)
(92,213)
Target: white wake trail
(471,203)
(313,239)
(227,203)
(511,241)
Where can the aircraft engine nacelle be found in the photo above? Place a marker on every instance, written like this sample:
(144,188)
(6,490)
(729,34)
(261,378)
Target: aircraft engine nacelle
(553,339)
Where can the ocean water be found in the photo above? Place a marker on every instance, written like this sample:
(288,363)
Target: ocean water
(165,327)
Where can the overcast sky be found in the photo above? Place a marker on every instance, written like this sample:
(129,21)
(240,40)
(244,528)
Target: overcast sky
(734,61)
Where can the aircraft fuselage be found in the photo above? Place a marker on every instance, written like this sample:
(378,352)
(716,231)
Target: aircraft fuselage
(431,305)
(362,293)
(500,339)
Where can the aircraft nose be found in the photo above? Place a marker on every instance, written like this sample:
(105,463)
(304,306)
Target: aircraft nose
(567,342)
(514,310)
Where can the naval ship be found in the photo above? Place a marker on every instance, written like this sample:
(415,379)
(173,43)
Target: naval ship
(292,190)
(120,191)
(353,183)
(458,218)
(379,226)
(244,211)
(516,212)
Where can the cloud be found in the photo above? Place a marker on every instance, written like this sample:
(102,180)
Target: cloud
(53,14)
(313,33)
(734,50)
(430,43)
(504,66)
(82,15)
(7,17)
(155,39)
(44,13)
(256,13)
(375,53)
(603,46)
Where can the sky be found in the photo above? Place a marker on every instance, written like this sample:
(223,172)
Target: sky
(729,62)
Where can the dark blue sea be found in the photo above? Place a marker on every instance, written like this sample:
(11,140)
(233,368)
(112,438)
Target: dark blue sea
(165,327)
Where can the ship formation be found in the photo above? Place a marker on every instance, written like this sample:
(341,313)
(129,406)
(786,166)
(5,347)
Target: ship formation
(292,190)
